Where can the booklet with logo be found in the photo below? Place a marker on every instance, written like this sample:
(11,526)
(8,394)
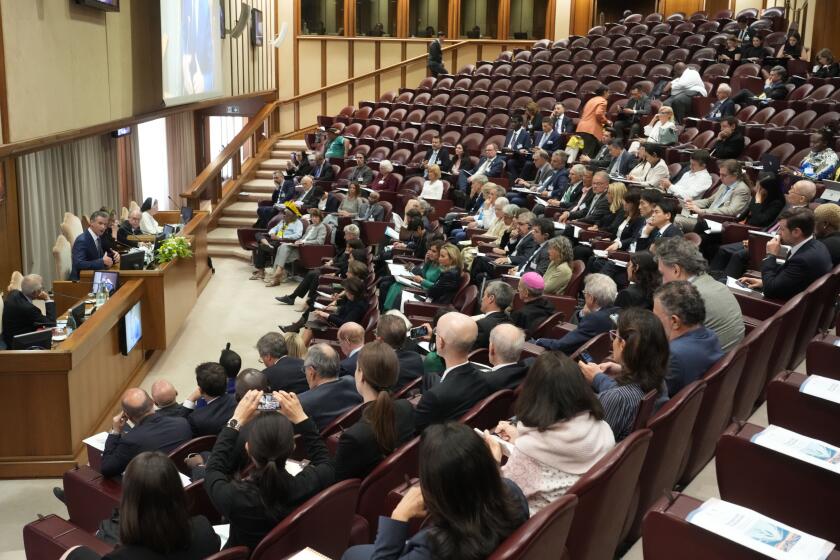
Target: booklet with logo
(800,447)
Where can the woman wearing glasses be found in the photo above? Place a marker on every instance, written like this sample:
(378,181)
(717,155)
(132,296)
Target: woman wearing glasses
(640,351)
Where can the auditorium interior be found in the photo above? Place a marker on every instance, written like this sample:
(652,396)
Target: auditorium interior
(636,202)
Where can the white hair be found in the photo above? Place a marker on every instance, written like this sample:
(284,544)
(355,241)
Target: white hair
(507,341)
(602,288)
(386,166)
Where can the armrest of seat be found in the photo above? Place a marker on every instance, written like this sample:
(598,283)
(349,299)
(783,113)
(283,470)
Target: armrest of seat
(485,248)
(475,232)
(756,306)
(720,217)
(560,330)
(734,232)
(51,536)
(311,255)
(90,497)
(420,308)
(482,239)
(589,235)
(408,260)
(248,236)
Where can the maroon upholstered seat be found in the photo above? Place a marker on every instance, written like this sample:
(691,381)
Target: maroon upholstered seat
(486,413)
(542,536)
(760,342)
(90,497)
(604,495)
(49,537)
(802,413)
(823,355)
(782,487)
(321,522)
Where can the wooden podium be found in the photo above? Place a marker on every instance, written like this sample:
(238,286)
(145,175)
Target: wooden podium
(53,399)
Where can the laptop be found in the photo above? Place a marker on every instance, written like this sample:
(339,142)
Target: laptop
(37,340)
(133,261)
(186,214)
(108,278)
(832,191)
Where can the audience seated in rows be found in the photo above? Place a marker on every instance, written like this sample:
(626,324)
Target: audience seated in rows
(731,198)
(506,342)
(329,395)
(535,308)
(20,315)
(209,419)
(495,300)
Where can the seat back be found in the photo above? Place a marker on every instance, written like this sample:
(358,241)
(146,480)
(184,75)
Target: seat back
(832,288)
(90,497)
(542,536)
(671,428)
(486,413)
(805,414)
(715,411)
(49,537)
(814,300)
(389,474)
(304,527)
(760,343)
(343,421)
(71,227)
(195,445)
(604,494)
(235,553)
(645,409)
(791,314)
(62,258)
(573,287)
(803,495)
(599,348)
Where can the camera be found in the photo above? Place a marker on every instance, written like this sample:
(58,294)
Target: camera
(268,402)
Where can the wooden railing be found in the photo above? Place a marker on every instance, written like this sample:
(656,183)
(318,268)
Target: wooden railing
(264,126)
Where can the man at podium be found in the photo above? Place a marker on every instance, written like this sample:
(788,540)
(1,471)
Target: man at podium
(89,253)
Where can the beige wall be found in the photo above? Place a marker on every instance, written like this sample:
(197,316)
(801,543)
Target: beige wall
(70,67)
(562,19)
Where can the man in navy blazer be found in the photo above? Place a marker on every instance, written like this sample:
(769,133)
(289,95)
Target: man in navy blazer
(596,317)
(20,316)
(461,385)
(329,396)
(351,338)
(491,164)
(547,139)
(89,253)
(807,260)
(506,343)
(209,419)
(723,107)
(438,155)
(560,122)
(151,432)
(392,331)
(622,160)
(659,224)
(284,372)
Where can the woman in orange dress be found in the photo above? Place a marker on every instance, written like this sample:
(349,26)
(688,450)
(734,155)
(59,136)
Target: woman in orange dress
(593,118)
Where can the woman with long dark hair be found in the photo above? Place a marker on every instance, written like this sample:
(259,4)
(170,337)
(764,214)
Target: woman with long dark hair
(153,517)
(257,503)
(560,432)
(641,351)
(643,274)
(471,508)
(386,423)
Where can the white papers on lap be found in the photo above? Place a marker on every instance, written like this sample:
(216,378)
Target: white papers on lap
(397,269)
(406,296)
(392,233)
(185,480)
(577,232)
(600,253)
(465,243)
(733,283)
(822,388)
(320,305)
(616,262)
(424,344)
(293,467)
(809,450)
(541,201)
(714,227)
(521,189)
(224,533)
(308,554)
(97,441)
(324,294)
(758,532)
(559,225)
(761,233)
(406,282)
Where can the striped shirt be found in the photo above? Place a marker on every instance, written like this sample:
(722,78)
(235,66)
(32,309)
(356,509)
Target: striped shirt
(620,402)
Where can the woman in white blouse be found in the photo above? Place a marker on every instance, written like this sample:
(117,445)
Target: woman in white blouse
(651,173)
(662,129)
(560,433)
(148,224)
(433,187)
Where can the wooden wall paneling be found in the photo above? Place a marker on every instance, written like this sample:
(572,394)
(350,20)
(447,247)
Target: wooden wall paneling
(686,6)
(309,58)
(10,247)
(402,18)
(581,16)
(403,51)
(453,30)
(550,12)
(503,28)
(824,33)
(4,94)
(415,72)
(714,6)
(390,81)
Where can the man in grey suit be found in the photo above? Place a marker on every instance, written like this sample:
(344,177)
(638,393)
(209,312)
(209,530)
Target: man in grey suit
(680,259)
(731,198)
(628,118)
(361,174)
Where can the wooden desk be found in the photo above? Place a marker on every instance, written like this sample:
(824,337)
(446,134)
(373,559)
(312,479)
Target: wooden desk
(53,399)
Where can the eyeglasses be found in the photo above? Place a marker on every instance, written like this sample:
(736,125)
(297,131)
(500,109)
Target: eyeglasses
(614,335)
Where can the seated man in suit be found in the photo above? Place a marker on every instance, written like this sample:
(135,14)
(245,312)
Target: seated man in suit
(560,122)
(774,89)
(694,348)
(538,262)
(627,124)
(622,161)
(438,155)
(729,143)
(212,387)
(351,338)
(596,317)
(693,182)
(131,226)
(535,308)
(393,331)
(827,229)
(495,300)
(506,342)
(490,165)
(547,139)
(362,174)
(731,198)
(460,385)
(593,206)
(284,372)
(542,173)
(807,260)
(523,250)
(165,397)
(89,253)
(20,315)
(329,396)
(151,432)
(517,144)
(723,107)
(602,158)
(580,177)
(660,224)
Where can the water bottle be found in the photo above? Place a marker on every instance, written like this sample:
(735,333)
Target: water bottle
(101,296)
(71,324)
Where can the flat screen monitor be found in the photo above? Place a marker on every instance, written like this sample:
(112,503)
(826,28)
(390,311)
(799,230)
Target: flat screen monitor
(131,329)
(78,313)
(107,5)
(133,260)
(106,277)
(168,231)
(37,340)
(186,214)
(256,28)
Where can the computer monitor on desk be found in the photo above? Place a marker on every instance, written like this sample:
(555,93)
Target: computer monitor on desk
(107,278)
(37,340)
(133,261)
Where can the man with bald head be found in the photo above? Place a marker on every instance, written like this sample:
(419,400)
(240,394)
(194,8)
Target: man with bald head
(461,385)
(20,316)
(165,396)
(351,338)
(506,342)
(151,432)
(131,226)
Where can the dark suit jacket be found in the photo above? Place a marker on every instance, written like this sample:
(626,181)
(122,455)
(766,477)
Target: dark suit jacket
(451,398)
(551,143)
(85,255)
(559,183)
(626,162)
(832,243)
(495,169)
(633,296)
(209,420)
(348,364)
(783,281)
(348,311)
(358,453)
(593,212)
(442,158)
(332,204)
(524,248)
(523,140)
(124,231)
(589,326)
(642,106)
(721,109)
(730,148)
(776,91)
(362,175)
(444,288)
(152,433)
(388,182)
(644,243)
(564,126)
(631,233)
(287,375)
(602,158)
(326,402)
(532,313)
(577,189)
(486,324)
(173,409)
(538,262)
(324,172)
(411,367)
(204,542)
(20,316)
(507,377)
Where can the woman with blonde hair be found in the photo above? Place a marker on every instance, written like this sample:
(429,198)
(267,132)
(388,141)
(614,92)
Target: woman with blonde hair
(615,196)
(661,130)
(559,271)
(505,213)
(433,186)
(295,348)
(451,268)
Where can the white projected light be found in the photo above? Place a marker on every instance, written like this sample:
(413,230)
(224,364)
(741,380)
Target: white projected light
(191,48)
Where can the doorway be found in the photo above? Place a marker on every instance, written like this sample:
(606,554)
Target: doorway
(611,10)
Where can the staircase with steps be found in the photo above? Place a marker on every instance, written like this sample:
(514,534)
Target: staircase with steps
(222,241)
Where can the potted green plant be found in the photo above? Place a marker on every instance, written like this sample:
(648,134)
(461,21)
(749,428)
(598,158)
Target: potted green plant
(173,248)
